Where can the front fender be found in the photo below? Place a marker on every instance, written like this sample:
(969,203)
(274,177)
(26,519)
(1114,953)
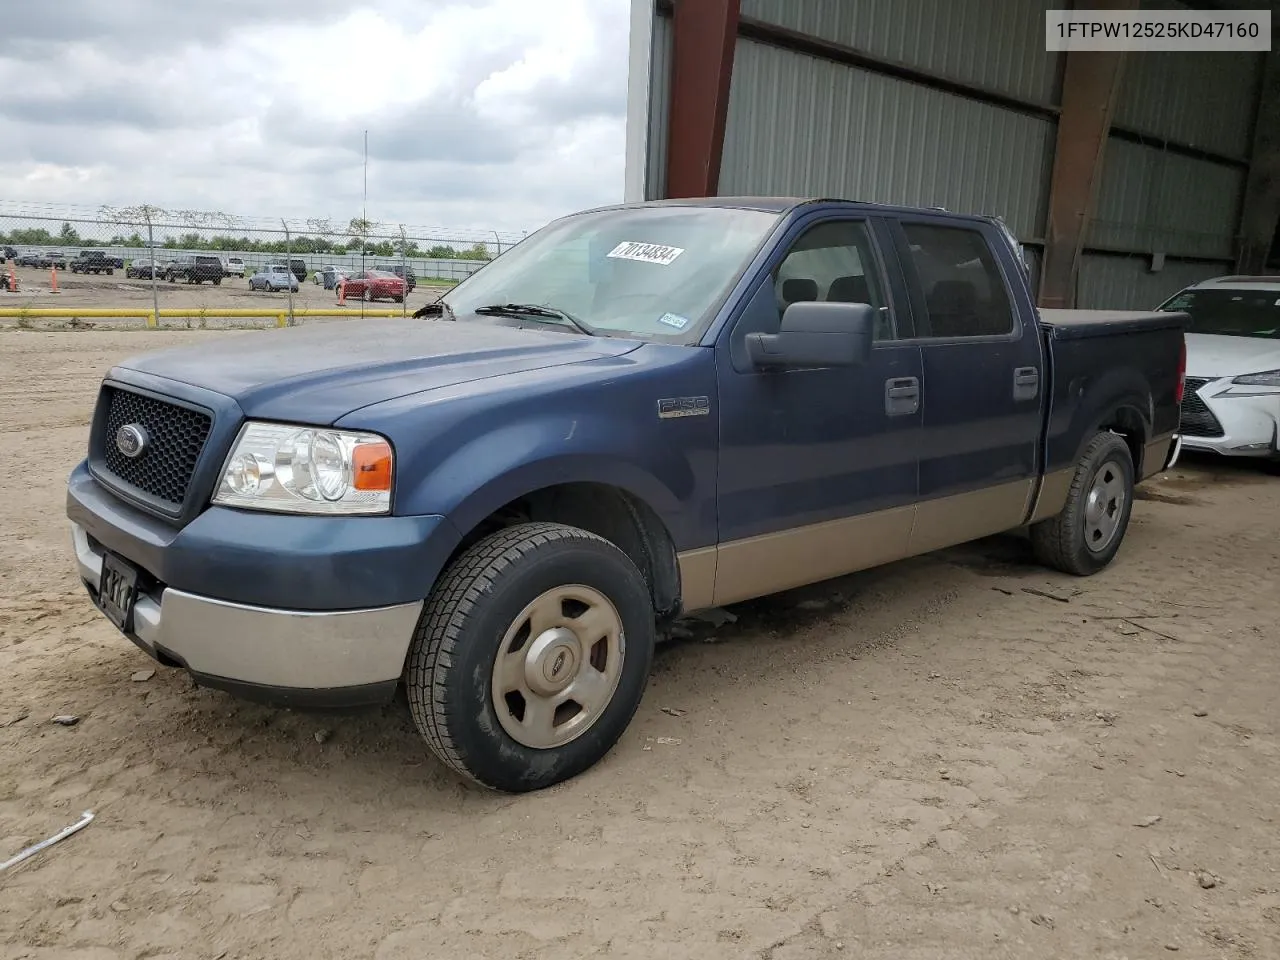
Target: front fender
(500,465)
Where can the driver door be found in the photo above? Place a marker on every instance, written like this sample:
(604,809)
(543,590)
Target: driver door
(818,467)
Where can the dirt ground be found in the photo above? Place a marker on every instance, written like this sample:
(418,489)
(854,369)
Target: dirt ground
(117,291)
(931,760)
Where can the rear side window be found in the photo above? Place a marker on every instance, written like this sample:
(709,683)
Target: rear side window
(964,292)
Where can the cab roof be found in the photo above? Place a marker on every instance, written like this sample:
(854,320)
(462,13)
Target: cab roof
(782,205)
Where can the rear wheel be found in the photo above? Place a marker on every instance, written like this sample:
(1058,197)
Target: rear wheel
(1086,535)
(531,656)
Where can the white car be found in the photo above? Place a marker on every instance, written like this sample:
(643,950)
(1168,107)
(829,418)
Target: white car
(1232,400)
(234,267)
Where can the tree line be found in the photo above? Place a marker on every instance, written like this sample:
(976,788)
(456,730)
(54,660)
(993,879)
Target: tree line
(68,236)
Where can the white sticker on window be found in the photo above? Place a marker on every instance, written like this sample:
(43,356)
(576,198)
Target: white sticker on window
(674,320)
(646,252)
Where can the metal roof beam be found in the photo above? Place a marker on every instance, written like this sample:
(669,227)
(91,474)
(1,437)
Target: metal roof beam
(703,36)
(1260,209)
(1090,88)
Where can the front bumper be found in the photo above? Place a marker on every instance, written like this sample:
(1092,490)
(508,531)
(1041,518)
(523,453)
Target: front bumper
(289,609)
(1250,424)
(291,657)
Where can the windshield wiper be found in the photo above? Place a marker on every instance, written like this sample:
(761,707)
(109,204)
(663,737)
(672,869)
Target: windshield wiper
(437,309)
(536,310)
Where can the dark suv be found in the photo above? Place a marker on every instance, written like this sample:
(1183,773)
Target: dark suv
(195,269)
(406,274)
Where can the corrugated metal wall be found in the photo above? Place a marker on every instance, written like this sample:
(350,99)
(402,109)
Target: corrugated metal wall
(1152,201)
(799,125)
(659,108)
(1127,283)
(1206,100)
(997,44)
(805,125)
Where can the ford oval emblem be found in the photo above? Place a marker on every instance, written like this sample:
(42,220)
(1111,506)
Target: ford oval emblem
(132,440)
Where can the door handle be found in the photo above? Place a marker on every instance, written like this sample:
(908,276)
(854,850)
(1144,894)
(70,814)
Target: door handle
(1026,383)
(901,396)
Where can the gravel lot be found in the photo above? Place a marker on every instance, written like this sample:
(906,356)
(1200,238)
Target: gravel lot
(958,756)
(101,291)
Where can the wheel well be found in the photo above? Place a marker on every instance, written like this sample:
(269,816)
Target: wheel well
(621,518)
(1127,423)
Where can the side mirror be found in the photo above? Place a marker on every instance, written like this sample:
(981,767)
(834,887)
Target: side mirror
(816,334)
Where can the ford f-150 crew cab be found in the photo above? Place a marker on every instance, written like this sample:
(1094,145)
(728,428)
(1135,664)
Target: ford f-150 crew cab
(637,411)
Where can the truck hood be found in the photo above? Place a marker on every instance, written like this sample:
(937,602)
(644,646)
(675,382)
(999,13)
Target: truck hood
(321,372)
(1211,355)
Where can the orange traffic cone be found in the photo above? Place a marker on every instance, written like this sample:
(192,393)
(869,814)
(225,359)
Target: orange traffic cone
(53,279)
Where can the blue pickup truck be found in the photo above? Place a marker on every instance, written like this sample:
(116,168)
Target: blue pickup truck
(639,411)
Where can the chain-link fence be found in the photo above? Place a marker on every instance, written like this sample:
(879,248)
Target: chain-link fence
(117,258)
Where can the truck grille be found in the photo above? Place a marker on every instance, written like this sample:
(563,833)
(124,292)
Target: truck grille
(177,436)
(1197,419)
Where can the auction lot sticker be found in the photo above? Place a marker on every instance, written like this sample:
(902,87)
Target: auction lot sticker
(646,252)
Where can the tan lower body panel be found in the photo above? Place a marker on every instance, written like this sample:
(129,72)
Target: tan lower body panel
(1053,494)
(773,562)
(1154,455)
(698,578)
(962,517)
(778,561)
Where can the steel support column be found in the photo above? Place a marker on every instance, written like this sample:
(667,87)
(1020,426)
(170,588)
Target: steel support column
(702,40)
(1260,211)
(1090,86)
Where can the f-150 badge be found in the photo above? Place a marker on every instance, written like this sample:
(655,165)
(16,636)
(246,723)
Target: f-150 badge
(683,407)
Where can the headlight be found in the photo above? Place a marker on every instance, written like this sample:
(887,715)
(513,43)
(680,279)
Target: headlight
(292,469)
(1268,378)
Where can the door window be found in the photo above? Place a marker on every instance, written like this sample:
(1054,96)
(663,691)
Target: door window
(964,291)
(833,262)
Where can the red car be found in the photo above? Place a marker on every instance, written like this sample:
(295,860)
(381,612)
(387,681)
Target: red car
(375,285)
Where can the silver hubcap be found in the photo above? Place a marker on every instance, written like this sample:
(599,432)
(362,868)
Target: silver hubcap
(558,666)
(1104,507)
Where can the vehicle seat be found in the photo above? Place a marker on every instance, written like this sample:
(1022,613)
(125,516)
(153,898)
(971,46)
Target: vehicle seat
(857,290)
(953,308)
(797,289)
(849,290)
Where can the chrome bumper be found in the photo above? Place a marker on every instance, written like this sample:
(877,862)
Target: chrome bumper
(264,647)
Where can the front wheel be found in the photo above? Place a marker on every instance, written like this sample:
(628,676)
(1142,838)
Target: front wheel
(1086,535)
(531,656)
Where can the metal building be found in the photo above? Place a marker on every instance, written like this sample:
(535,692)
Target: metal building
(1127,176)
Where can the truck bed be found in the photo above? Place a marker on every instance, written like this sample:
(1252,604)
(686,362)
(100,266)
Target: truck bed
(1078,324)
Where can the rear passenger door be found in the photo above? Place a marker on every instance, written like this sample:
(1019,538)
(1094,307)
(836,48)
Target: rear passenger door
(983,381)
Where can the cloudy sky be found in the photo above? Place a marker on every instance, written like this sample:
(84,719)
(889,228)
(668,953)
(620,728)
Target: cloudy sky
(490,114)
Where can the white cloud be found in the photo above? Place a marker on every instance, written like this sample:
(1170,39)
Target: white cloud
(494,114)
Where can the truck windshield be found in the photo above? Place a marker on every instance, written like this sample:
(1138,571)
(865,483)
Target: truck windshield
(655,272)
(1230,313)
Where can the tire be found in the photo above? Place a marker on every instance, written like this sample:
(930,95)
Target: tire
(217,281)
(1080,540)
(481,605)
(111,272)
